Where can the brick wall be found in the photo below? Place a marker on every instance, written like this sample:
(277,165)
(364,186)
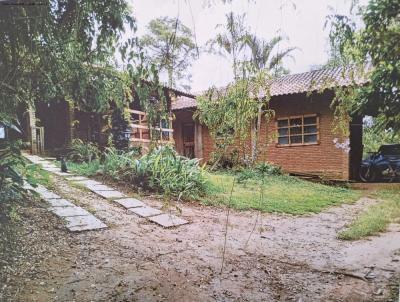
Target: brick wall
(322,159)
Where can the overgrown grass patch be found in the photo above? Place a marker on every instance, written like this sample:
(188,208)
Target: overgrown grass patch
(281,193)
(376,218)
(86,168)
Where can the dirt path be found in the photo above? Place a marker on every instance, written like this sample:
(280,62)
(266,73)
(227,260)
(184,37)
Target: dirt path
(286,258)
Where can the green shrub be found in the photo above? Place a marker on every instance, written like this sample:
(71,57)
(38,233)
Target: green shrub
(119,165)
(83,152)
(165,171)
(11,180)
(161,170)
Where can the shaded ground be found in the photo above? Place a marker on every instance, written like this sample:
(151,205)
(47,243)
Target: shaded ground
(286,258)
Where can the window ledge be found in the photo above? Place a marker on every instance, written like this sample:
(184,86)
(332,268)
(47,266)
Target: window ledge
(296,145)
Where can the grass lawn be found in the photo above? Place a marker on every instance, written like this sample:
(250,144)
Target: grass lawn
(376,218)
(284,194)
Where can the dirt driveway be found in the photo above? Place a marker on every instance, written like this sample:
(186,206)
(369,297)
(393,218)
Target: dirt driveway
(267,257)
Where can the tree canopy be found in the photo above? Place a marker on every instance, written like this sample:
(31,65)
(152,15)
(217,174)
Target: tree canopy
(248,53)
(263,57)
(231,41)
(61,49)
(374,46)
(170,45)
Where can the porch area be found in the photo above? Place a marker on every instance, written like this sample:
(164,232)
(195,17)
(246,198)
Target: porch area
(140,134)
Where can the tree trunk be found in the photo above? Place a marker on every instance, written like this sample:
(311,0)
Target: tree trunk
(170,78)
(256,134)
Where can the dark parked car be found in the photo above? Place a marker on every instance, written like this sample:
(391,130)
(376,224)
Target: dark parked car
(383,165)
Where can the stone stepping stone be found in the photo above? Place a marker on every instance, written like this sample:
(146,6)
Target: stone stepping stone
(48,166)
(48,195)
(69,211)
(59,173)
(128,203)
(39,189)
(50,158)
(109,194)
(88,182)
(84,223)
(52,170)
(168,220)
(60,203)
(145,211)
(76,178)
(99,188)
(37,161)
(27,186)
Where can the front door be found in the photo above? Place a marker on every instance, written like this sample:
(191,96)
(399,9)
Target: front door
(356,146)
(188,140)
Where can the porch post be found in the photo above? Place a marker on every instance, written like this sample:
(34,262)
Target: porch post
(71,117)
(32,129)
(198,140)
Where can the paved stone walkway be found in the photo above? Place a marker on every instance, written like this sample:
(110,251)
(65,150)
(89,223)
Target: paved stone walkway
(132,205)
(77,218)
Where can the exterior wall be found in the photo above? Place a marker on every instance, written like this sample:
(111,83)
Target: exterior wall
(323,159)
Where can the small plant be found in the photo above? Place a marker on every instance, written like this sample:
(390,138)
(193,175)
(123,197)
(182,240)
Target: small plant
(258,172)
(83,152)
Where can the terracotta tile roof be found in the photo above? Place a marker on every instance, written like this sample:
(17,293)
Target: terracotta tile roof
(315,80)
(184,102)
(297,83)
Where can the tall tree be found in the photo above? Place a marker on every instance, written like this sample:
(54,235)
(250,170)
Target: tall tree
(171,47)
(60,49)
(230,42)
(264,57)
(376,43)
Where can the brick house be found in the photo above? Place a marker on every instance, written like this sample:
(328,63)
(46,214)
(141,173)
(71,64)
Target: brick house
(300,137)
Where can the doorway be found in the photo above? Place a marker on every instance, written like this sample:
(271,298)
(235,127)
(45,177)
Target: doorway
(356,146)
(188,139)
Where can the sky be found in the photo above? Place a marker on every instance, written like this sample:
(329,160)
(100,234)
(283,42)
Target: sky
(301,21)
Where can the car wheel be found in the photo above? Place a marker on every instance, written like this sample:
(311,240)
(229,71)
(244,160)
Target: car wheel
(367,174)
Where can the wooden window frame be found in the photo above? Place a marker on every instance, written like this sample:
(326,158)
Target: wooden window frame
(140,125)
(302,134)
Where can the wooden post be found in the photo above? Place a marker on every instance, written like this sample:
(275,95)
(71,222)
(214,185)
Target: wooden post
(32,129)
(140,129)
(71,117)
(198,140)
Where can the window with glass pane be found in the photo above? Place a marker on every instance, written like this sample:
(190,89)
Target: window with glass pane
(298,130)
